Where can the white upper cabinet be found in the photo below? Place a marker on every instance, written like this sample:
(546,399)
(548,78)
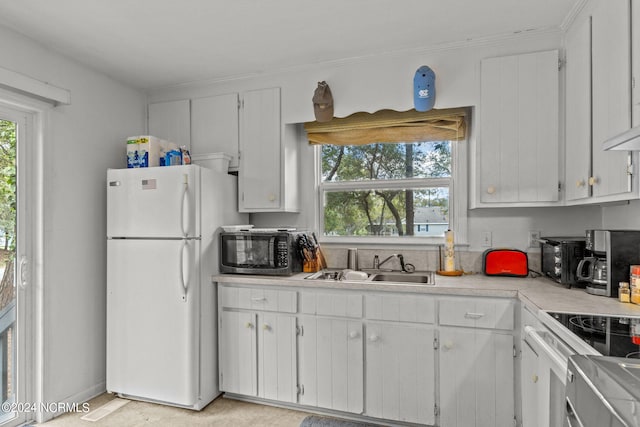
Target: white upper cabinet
(611,96)
(598,103)
(578,111)
(171,121)
(268,173)
(517,149)
(215,126)
(635,67)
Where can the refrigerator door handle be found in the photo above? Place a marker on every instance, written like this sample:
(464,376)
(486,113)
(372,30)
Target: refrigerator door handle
(185,205)
(184,277)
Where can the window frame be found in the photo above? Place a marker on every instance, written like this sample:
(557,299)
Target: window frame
(458,195)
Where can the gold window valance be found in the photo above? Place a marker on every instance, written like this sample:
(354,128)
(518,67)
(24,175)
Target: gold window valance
(390,126)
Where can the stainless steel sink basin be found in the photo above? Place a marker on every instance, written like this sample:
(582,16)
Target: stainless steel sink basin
(418,277)
(403,278)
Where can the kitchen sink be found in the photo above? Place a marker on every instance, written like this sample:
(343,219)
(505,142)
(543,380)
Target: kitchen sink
(424,278)
(390,277)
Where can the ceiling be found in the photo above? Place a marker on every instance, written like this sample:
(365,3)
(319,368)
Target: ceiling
(156,43)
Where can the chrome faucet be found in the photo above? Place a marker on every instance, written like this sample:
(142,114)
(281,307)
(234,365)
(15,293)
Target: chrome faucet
(407,268)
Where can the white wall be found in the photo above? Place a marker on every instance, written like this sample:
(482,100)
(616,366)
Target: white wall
(384,82)
(625,216)
(82,140)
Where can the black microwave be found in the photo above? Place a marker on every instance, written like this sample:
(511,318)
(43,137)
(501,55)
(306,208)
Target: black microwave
(260,251)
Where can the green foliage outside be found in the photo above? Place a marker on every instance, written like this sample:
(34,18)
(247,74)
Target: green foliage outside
(8,184)
(383,211)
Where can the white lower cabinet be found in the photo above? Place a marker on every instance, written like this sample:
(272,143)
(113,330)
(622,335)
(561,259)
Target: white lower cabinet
(476,378)
(257,349)
(400,372)
(477,362)
(530,387)
(258,355)
(238,353)
(410,358)
(331,363)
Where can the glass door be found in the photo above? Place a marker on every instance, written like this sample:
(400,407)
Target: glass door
(15,133)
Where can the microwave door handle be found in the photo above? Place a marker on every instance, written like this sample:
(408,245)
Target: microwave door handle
(271,252)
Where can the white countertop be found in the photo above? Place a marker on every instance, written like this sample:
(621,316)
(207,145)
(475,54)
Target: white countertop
(540,293)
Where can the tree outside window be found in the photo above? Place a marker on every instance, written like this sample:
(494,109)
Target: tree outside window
(399,189)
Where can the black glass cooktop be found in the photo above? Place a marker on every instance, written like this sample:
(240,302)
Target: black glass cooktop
(609,335)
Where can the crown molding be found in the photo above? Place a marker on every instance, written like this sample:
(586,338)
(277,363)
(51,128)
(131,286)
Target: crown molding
(572,15)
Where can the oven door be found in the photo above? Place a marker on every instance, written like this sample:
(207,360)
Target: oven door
(570,418)
(545,359)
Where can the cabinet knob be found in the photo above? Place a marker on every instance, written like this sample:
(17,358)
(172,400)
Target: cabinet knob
(373,338)
(248,325)
(580,183)
(593,180)
(266,327)
(354,334)
(448,345)
(534,378)
(491,189)
(272,197)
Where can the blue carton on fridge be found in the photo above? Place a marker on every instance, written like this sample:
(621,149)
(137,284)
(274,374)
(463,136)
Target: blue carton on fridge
(144,151)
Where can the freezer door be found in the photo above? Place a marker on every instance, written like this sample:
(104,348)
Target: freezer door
(152,319)
(159,202)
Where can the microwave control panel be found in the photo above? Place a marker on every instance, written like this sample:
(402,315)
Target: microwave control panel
(282,253)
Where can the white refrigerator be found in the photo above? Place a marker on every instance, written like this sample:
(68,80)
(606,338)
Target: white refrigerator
(162,249)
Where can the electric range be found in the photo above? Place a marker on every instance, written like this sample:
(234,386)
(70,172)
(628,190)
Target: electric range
(608,335)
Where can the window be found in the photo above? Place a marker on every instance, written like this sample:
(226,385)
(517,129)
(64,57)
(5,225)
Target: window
(392,176)
(386,190)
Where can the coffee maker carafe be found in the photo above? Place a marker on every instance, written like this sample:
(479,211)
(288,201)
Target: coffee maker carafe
(608,255)
(593,270)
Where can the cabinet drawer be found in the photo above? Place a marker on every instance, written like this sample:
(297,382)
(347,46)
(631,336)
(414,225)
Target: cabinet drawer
(340,304)
(401,308)
(259,299)
(477,313)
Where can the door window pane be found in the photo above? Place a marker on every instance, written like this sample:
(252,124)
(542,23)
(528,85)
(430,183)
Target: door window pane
(8,134)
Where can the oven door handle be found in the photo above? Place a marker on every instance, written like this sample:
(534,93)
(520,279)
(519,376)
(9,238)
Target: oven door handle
(559,361)
(571,419)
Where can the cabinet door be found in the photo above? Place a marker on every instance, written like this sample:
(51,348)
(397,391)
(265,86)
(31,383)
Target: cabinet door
(215,126)
(259,177)
(238,353)
(578,110)
(476,378)
(635,66)
(611,37)
(171,121)
(331,363)
(530,387)
(400,373)
(277,356)
(518,147)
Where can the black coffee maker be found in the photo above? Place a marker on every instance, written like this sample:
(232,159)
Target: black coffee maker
(608,255)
